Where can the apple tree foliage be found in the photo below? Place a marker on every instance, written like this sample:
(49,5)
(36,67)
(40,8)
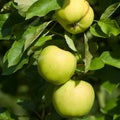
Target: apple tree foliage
(26,26)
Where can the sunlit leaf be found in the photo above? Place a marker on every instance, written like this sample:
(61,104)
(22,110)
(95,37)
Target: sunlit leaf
(96,63)
(33,33)
(111,58)
(40,41)
(5,116)
(109,27)
(42,7)
(15,53)
(96,31)
(23,5)
(70,42)
(88,55)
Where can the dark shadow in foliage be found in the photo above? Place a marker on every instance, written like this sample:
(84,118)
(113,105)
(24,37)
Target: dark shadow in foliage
(59,42)
(9,84)
(117,12)
(102,5)
(108,117)
(13,19)
(114,111)
(40,91)
(60,2)
(8,70)
(2,109)
(2,2)
(108,73)
(116,52)
(27,105)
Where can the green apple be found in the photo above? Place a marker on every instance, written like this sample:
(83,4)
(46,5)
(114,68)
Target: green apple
(87,20)
(56,65)
(75,16)
(74,98)
(72,10)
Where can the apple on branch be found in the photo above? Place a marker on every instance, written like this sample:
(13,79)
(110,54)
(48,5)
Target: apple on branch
(75,16)
(75,98)
(56,65)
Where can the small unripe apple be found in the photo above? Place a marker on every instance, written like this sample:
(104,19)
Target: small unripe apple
(56,65)
(75,16)
(74,98)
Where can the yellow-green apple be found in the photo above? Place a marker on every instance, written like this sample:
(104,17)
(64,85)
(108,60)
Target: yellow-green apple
(74,98)
(56,65)
(72,10)
(75,16)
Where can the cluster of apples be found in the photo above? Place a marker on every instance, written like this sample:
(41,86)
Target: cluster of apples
(70,97)
(75,16)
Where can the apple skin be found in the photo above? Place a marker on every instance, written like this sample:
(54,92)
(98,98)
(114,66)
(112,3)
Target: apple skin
(75,18)
(87,20)
(73,99)
(56,65)
(72,10)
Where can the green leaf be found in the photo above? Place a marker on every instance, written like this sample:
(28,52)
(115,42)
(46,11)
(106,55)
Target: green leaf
(116,117)
(38,44)
(20,65)
(88,55)
(96,31)
(96,64)
(42,40)
(10,23)
(3,18)
(5,116)
(42,7)
(111,58)
(99,117)
(109,27)
(23,5)
(110,105)
(70,42)
(33,32)
(110,10)
(16,51)
(109,86)
(12,69)
(14,54)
